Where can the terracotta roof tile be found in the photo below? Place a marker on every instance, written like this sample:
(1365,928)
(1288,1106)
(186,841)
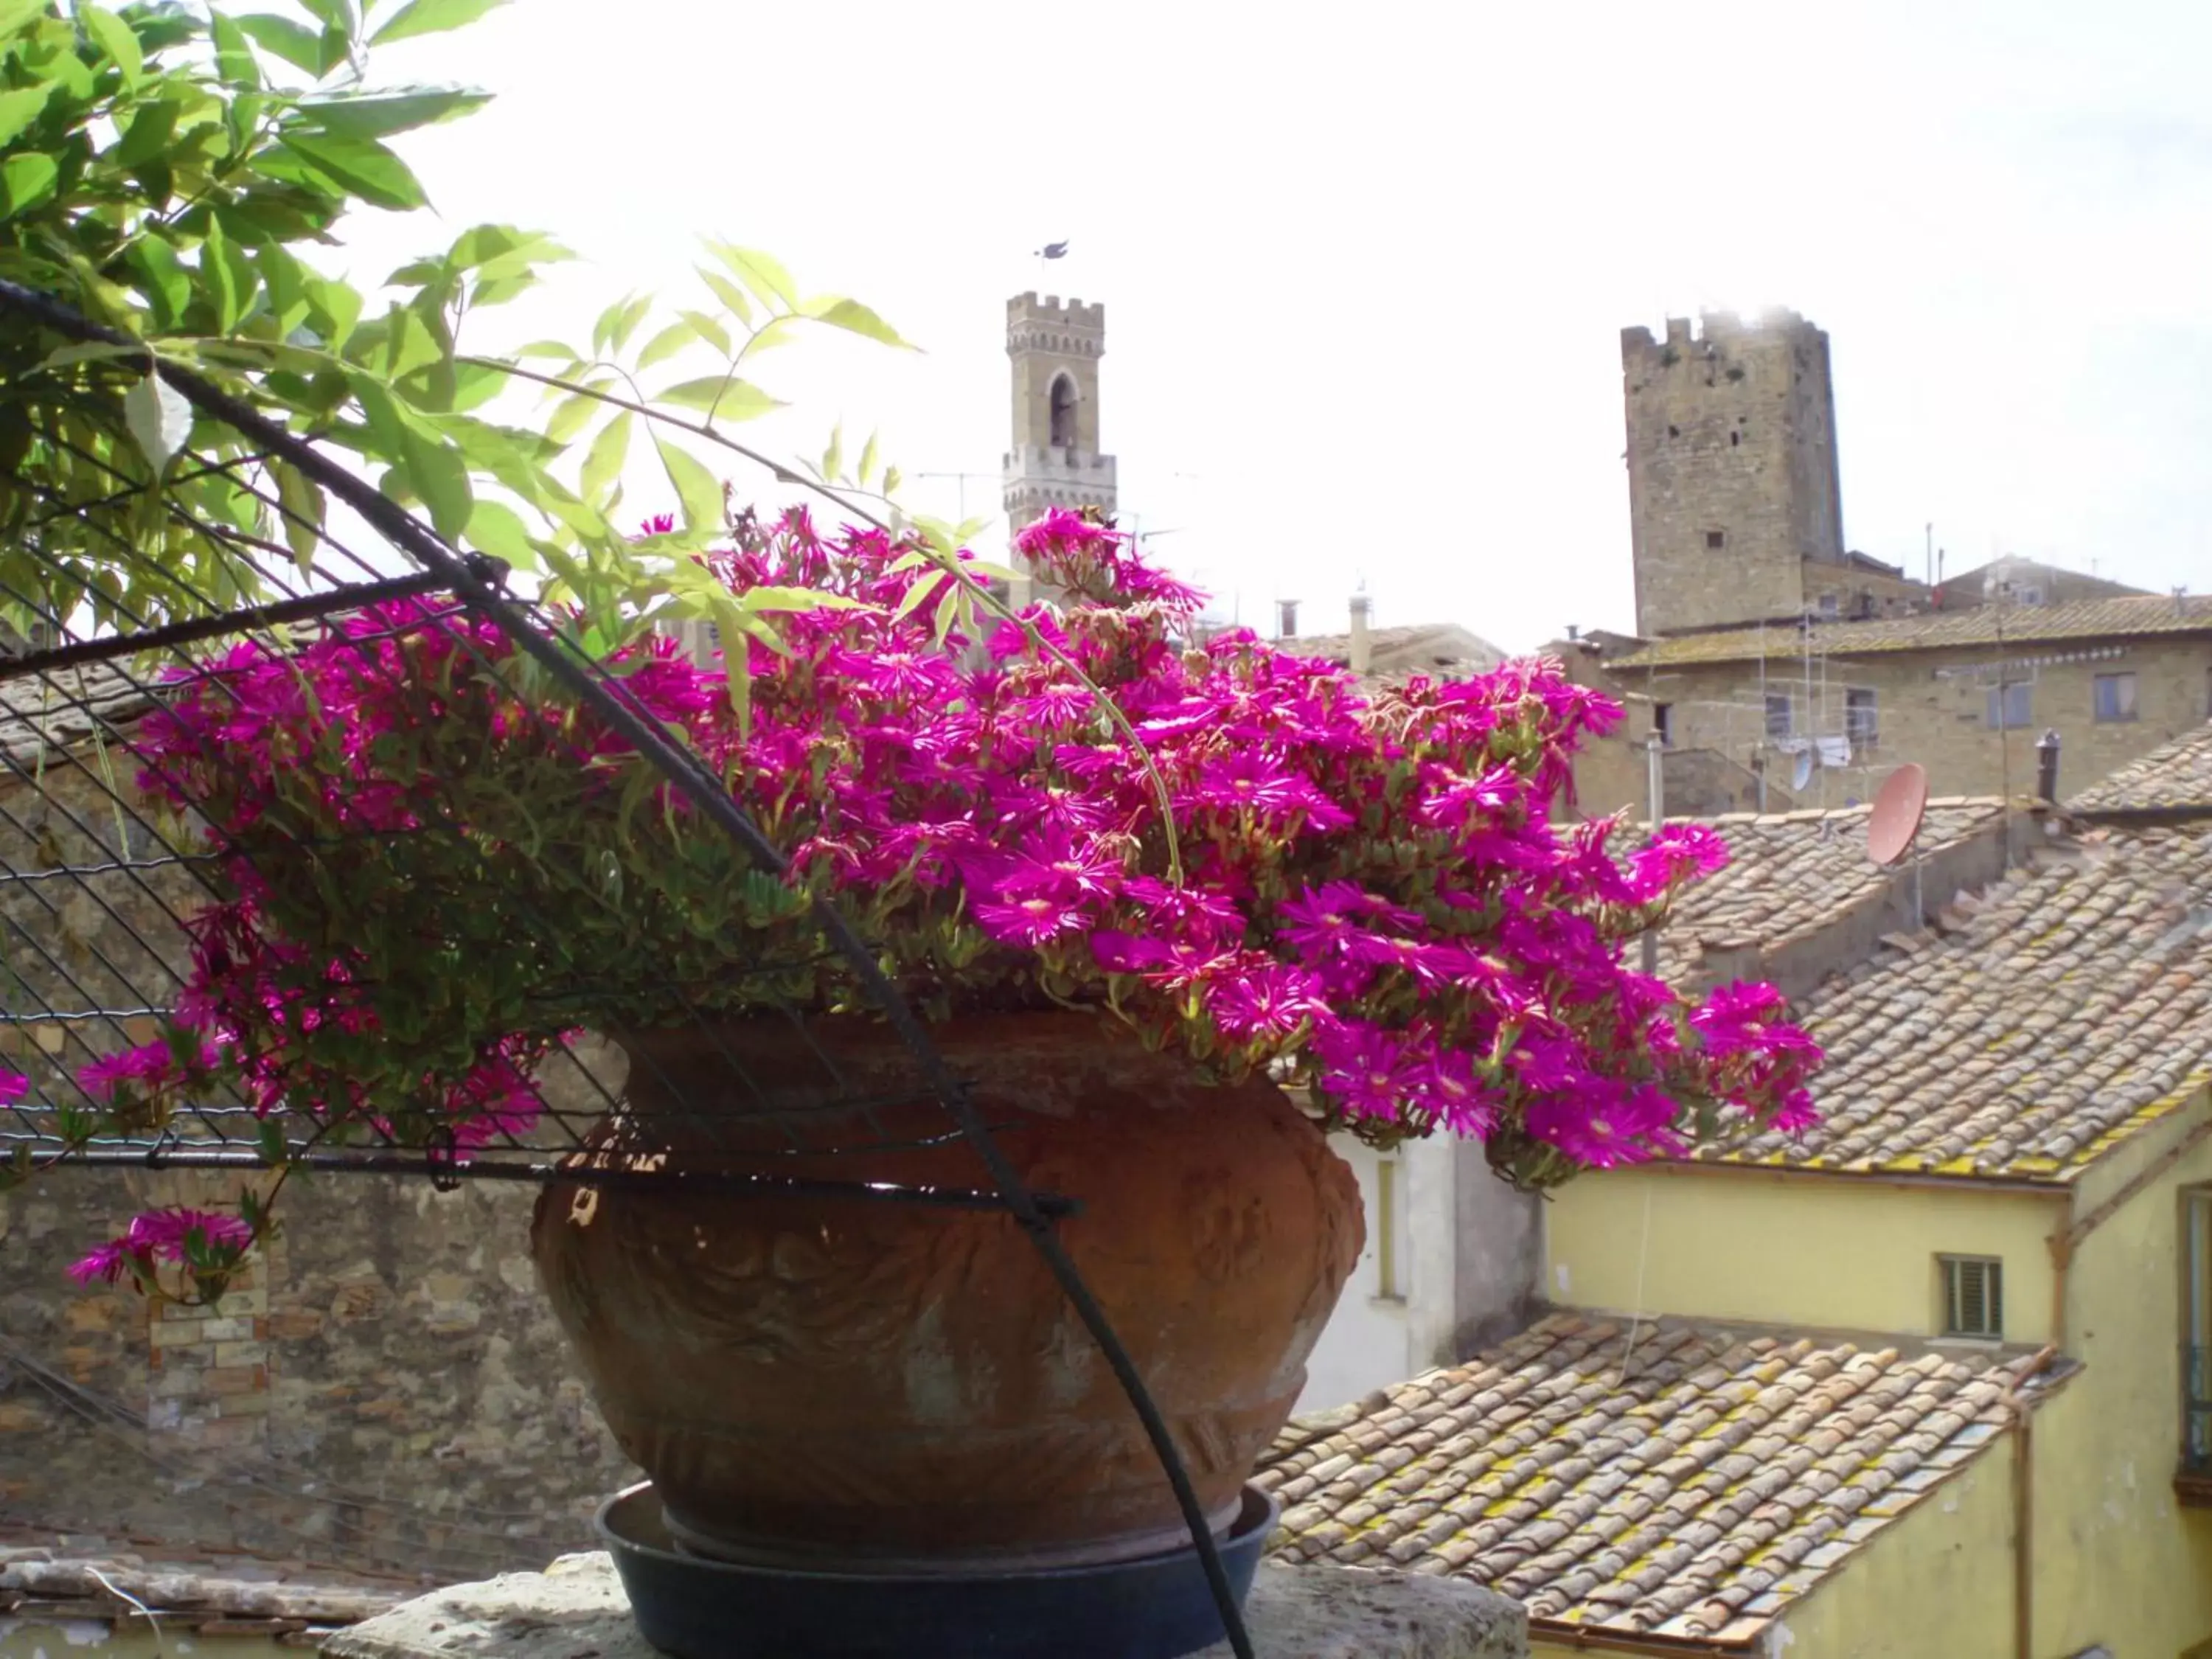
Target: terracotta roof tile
(2047,1018)
(2175,776)
(1724,1477)
(2081,619)
(63,709)
(1790,873)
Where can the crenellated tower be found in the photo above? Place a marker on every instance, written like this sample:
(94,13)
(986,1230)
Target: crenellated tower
(1055,460)
(1732,489)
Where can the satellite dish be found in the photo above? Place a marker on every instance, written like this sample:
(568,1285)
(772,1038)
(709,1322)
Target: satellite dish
(1897,807)
(1802,773)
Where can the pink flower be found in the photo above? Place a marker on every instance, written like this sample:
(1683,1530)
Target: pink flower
(181,1236)
(1272,999)
(14,1086)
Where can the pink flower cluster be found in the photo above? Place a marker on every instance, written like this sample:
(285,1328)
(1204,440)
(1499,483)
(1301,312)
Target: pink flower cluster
(1242,852)
(191,1238)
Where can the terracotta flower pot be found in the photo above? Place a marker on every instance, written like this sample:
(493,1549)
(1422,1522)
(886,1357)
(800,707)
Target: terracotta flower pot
(818,1380)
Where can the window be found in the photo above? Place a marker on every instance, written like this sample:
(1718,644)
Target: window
(1386,1230)
(1777,714)
(1715,538)
(1662,722)
(2116,697)
(1063,413)
(1859,723)
(1973,1295)
(2011,706)
(2196,1331)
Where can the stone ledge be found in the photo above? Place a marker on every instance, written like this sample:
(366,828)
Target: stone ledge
(575,1609)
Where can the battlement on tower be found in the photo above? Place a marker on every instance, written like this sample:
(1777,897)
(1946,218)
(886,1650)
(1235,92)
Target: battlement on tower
(1027,308)
(1776,325)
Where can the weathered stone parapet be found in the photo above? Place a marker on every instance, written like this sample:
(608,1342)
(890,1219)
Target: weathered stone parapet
(575,1609)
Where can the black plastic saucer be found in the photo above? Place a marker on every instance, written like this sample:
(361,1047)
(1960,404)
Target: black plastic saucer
(1157,1607)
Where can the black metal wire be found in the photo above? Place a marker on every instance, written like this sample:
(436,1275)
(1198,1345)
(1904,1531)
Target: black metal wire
(457,573)
(306,608)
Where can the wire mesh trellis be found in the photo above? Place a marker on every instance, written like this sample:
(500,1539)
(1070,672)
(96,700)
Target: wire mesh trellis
(102,891)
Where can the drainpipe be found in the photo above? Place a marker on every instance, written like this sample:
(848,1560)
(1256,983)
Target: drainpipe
(1362,652)
(2023,1505)
(2046,766)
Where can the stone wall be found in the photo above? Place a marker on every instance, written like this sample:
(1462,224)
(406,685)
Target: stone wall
(1732,473)
(386,1389)
(1933,707)
(389,1392)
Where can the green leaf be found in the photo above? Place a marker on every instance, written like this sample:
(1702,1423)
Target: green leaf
(708,329)
(729,294)
(919,591)
(603,330)
(19,109)
(26,180)
(576,413)
(147,136)
(760,272)
(113,36)
(305,511)
(701,497)
(497,528)
(604,463)
(339,305)
(295,43)
(868,460)
(161,419)
(17,15)
(729,400)
(431,17)
(381,114)
(626,324)
(441,476)
(361,164)
(229,280)
(798,599)
(666,344)
(233,58)
(891,476)
(833,456)
(856,319)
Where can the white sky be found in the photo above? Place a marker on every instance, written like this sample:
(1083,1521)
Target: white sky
(1365,271)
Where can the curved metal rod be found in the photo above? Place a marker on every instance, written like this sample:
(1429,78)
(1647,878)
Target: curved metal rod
(407,533)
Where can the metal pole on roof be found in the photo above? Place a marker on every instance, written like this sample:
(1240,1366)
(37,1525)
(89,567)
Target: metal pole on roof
(1656,781)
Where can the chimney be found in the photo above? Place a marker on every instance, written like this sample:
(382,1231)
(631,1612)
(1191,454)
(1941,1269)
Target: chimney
(1361,652)
(1286,619)
(1574,633)
(2046,766)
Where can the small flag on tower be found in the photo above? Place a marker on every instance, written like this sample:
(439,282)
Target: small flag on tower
(1052,251)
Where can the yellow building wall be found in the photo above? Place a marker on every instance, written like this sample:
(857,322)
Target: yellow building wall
(1853,1256)
(2118,1560)
(1937,1581)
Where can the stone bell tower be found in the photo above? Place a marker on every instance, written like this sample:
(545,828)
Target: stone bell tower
(1054,460)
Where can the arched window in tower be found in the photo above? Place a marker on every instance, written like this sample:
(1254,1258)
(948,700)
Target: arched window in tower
(1063,413)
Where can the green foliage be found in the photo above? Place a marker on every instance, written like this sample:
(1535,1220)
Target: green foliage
(174,173)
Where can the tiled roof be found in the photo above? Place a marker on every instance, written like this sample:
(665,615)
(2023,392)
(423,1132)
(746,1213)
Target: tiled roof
(1726,1475)
(2038,1023)
(2081,619)
(190,1592)
(63,708)
(1790,873)
(1425,649)
(2175,777)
